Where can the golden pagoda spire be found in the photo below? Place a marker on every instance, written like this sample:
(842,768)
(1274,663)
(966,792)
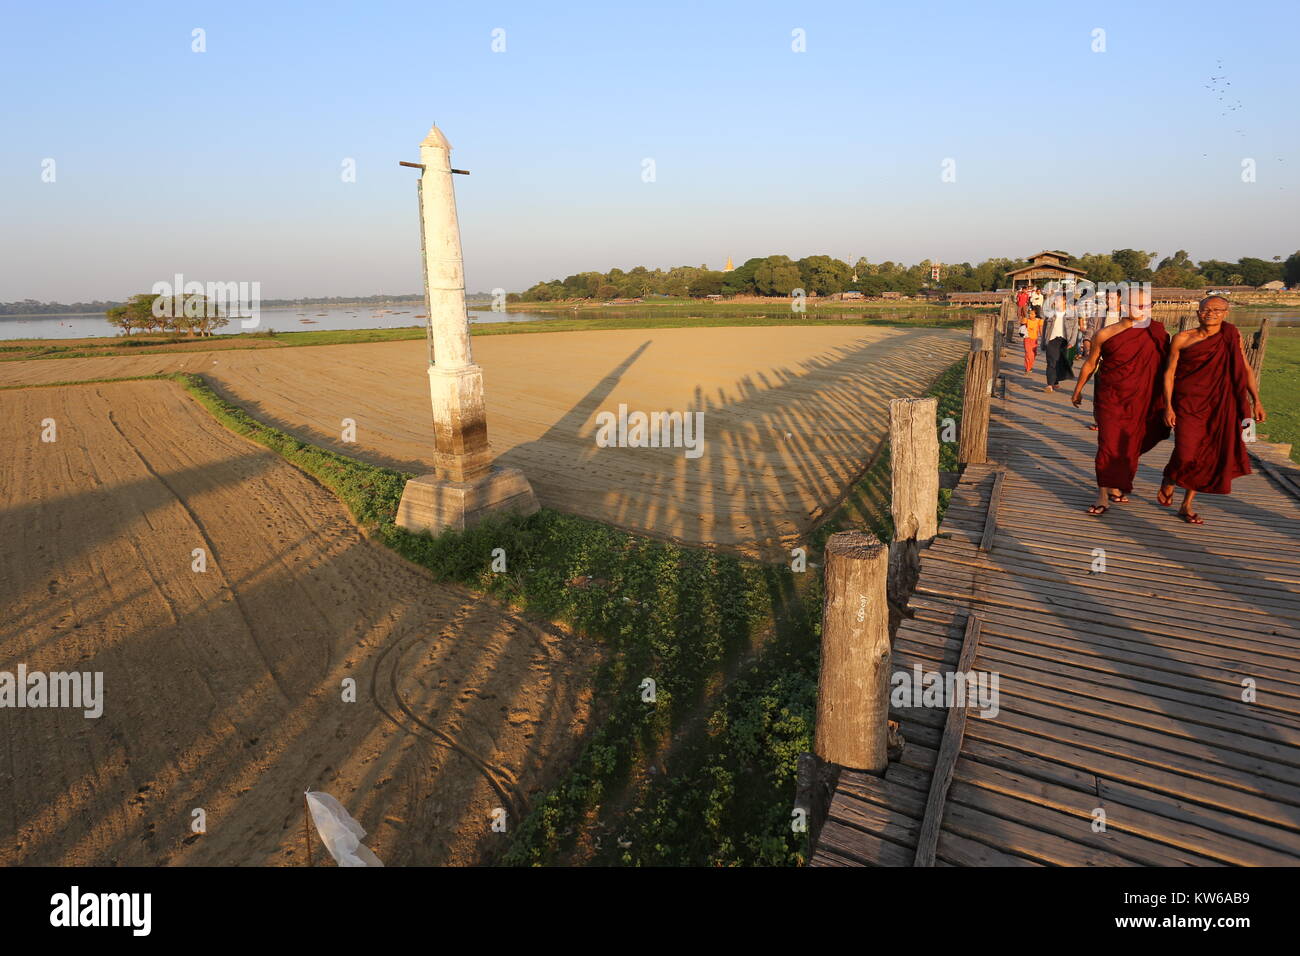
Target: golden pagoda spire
(728,267)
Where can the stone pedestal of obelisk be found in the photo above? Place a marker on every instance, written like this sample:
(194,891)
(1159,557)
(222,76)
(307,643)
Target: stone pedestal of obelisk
(464,485)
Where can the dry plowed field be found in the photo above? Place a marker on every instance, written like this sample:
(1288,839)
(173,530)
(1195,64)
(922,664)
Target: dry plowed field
(792,415)
(223,689)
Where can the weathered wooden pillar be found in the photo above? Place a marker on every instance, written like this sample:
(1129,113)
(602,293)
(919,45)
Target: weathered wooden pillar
(1257,348)
(972,448)
(914,497)
(1185,322)
(853,688)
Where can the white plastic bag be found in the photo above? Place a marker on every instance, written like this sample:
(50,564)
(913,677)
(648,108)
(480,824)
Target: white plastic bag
(339,832)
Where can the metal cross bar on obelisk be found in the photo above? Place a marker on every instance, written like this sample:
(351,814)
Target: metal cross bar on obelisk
(466,483)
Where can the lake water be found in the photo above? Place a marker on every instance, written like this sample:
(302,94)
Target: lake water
(333,318)
(287,319)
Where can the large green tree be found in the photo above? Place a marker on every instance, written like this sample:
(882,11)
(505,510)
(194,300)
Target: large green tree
(740,281)
(136,315)
(707,283)
(776,275)
(1291,270)
(1134,263)
(1258,271)
(822,275)
(1176,277)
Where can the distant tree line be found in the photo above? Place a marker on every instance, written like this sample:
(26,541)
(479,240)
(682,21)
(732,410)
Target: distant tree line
(822,275)
(32,307)
(825,275)
(345,300)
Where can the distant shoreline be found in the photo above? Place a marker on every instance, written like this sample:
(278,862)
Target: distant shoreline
(471,301)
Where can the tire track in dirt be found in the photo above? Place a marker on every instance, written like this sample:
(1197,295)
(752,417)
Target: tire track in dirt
(495,776)
(211,551)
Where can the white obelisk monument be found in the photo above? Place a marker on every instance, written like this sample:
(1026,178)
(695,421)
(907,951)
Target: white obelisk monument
(464,485)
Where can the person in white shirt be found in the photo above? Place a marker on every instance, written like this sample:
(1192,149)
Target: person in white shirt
(1059,330)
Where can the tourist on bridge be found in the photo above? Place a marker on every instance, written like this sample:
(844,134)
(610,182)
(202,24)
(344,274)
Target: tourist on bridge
(1128,400)
(1036,301)
(1033,331)
(1060,330)
(1022,302)
(1087,325)
(1114,308)
(1210,394)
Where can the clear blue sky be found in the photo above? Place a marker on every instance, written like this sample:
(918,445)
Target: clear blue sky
(226,165)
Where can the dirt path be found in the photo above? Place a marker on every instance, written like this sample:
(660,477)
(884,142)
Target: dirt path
(223,689)
(792,414)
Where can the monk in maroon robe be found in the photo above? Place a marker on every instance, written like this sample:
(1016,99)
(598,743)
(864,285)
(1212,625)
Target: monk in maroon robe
(1127,402)
(1211,395)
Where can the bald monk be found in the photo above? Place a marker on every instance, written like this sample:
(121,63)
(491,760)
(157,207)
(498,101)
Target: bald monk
(1128,402)
(1209,391)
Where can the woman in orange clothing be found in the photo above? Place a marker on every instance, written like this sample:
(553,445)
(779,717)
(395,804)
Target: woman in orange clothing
(1033,329)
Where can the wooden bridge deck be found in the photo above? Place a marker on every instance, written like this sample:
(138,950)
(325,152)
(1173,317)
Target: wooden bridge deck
(1119,691)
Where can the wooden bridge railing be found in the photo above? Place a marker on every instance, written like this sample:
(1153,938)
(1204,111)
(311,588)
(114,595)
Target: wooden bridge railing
(863,578)
(977,391)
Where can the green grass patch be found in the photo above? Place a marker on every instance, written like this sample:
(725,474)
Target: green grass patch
(607,320)
(1279,388)
(90,381)
(158,344)
(726,797)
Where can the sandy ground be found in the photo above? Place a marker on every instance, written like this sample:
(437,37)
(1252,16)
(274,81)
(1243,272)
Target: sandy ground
(223,689)
(792,415)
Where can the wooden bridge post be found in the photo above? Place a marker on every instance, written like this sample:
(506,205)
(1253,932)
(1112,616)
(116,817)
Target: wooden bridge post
(972,447)
(914,498)
(1258,345)
(853,688)
(1008,319)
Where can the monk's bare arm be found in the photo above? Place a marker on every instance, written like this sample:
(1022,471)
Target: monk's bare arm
(1090,364)
(1171,367)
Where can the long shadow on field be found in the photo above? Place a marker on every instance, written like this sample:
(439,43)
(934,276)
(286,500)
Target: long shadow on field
(780,449)
(44,539)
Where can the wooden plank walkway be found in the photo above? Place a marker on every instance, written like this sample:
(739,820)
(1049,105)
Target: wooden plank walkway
(1120,691)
